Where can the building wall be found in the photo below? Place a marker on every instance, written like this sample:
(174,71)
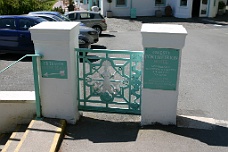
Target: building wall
(16,107)
(143,9)
(183,11)
(214,7)
(148,8)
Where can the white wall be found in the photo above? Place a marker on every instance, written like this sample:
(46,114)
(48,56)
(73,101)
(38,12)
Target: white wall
(56,41)
(117,11)
(160,106)
(183,11)
(214,9)
(146,8)
(16,107)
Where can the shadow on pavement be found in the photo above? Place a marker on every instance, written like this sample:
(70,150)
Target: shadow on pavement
(107,35)
(100,131)
(98,47)
(14,57)
(103,131)
(3,139)
(212,135)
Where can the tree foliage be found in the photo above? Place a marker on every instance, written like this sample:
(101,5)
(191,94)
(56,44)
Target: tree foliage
(16,7)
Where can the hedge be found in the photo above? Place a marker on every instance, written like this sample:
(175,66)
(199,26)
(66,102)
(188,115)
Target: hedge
(17,7)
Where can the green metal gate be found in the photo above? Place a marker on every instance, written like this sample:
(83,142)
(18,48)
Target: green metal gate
(109,80)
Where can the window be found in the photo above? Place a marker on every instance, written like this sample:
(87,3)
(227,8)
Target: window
(84,1)
(183,2)
(204,2)
(121,3)
(84,16)
(7,23)
(25,24)
(71,16)
(159,2)
(46,18)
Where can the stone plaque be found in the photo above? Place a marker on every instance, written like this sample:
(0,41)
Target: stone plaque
(54,69)
(160,68)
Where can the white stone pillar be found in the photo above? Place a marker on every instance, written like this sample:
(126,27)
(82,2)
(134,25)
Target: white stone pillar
(58,79)
(162,59)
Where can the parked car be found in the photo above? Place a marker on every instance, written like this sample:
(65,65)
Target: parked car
(16,38)
(91,19)
(51,17)
(48,17)
(90,33)
(51,13)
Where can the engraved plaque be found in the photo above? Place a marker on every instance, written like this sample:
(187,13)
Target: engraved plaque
(160,68)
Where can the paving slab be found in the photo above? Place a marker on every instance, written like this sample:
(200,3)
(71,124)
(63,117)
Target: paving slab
(15,138)
(42,136)
(96,132)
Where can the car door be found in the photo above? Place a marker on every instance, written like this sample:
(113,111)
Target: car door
(24,37)
(84,17)
(8,35)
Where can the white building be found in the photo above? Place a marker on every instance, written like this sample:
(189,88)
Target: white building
(181,8)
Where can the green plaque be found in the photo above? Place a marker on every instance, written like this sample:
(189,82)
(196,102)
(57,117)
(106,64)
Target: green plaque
(54,69)
(160,68)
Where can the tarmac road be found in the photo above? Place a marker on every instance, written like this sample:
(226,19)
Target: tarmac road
(202,93)
(203,81)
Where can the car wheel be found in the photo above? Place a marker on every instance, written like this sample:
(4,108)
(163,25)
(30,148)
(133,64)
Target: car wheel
(98,29)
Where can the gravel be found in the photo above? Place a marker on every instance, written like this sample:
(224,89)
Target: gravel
(127,24)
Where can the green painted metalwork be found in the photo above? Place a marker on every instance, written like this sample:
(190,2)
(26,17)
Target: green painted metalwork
(28,55)
(133,13)
(160,68)
(110,80)
(36,85)
(36,81)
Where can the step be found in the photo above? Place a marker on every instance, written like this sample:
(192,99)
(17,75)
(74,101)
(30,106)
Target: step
(3,139)
(15,138)
(42,135)
(24,109)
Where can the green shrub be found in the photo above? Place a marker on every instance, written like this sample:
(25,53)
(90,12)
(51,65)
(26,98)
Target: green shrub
(221,5)
(16,7)
(59,9)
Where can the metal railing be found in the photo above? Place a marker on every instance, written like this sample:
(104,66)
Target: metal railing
(109,80)
(35,57)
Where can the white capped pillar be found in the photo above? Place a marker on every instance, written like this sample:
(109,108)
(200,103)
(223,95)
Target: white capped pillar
(162,59)
(58,80)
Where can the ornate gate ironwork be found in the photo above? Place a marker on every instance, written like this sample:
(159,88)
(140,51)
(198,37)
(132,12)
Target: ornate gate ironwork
(109,80)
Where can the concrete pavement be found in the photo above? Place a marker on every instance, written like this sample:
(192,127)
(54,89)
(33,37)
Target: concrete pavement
(202,105)
(118,133)
(202,95)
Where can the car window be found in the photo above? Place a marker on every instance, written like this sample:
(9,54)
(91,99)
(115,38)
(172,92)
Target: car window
(38,20)
(98,16)
(57,18)
(7,23)
(84,16)
(64,17)
(71,16)
(25,24)
(46,18)
(92,16)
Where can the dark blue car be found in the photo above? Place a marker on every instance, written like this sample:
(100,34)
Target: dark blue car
(16,38)
(14,34)
(51,13)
